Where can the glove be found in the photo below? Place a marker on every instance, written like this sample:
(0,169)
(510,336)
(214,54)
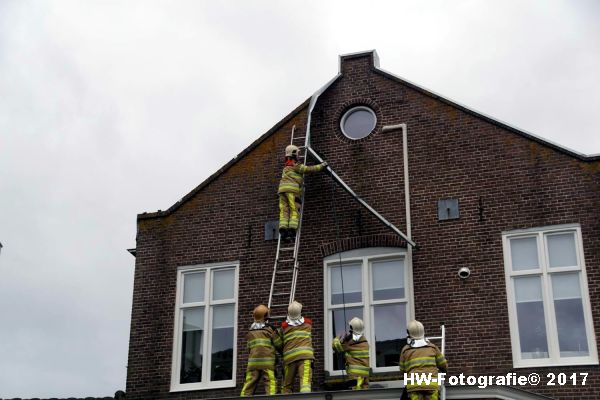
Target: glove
(324,164)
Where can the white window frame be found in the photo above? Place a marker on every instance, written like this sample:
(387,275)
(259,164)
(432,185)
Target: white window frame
(554,359)
(366,257)
(350,112)
(208,315)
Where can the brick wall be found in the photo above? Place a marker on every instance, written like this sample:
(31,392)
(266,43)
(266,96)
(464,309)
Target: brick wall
(452,154)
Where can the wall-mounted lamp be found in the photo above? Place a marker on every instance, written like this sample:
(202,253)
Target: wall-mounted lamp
(464,273)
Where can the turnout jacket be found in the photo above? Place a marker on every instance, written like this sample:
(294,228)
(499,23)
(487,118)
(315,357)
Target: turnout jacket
(427,359)
(356,354)
(262,344)
(297,342)
(292,177)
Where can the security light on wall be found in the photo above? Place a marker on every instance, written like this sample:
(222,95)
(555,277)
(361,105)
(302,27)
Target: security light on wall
(464,273)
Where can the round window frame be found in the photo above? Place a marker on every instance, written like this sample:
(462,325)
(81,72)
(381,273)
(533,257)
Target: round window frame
(349,112)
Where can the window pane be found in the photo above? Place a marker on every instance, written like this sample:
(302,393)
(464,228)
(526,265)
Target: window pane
(524,254)
(340,326)
(561,250)
(390,326)
(193,287)
(530,317)
(191,345)
(388,279)
(221,367)
(351,282)
(223,281)
(570,322)
(359,123)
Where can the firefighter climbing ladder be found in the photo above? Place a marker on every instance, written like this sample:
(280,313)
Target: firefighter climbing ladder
(285,271)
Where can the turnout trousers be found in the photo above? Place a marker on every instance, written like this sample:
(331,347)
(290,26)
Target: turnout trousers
(252,378)
(288,211)
(361,383)
(303,370)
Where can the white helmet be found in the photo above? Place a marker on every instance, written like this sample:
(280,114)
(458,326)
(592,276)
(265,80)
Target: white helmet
(294,310)
(291,151)
(416,330)
(357,325)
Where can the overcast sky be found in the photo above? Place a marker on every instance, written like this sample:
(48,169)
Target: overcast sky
(109,109)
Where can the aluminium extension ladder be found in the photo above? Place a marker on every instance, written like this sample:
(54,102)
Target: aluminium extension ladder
(442,338)
(285,270)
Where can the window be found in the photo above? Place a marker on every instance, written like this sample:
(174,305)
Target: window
(358,122)
(204,351)
(549,308)
(373,284)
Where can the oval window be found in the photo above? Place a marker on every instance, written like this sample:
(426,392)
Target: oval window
(358,122)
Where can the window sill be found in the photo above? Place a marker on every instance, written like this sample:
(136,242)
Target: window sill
(555,363)
(337,377)
(201,386)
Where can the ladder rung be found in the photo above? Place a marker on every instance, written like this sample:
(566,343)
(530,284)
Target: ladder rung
(300,137)
(285,271)
(279,305)
(283,283)
(278,317)
(286,248)
(287,260)
(281,294)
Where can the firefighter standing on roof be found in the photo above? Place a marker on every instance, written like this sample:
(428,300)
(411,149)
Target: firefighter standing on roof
(290,188)
(356,353)
(297,350)
(262,341)
(421,357)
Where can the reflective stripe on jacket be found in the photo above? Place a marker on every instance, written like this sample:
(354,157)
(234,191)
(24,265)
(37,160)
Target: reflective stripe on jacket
(297,342)
(423,361)
(356,354)
(262,344)
(292,177)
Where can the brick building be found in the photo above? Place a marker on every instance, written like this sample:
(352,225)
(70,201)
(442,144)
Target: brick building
(521,213)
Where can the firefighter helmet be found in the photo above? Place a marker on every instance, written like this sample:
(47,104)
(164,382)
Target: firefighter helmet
(416,329)
(291,151)
(357,325)
(295,310)
(260,312)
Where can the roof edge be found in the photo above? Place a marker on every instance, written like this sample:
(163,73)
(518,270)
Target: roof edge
(389,75)
(494,121)
(224,168)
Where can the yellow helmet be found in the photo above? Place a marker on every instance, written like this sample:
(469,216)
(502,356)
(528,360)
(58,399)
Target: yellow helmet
(260,312)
